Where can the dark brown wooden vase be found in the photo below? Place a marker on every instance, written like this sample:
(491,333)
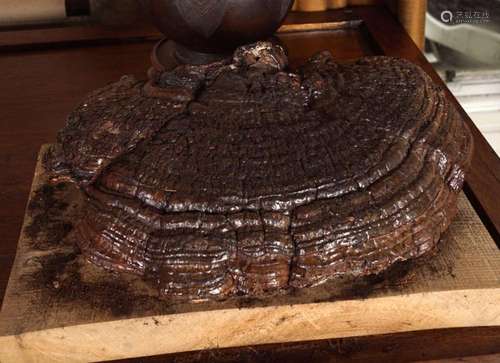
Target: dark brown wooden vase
(207,30)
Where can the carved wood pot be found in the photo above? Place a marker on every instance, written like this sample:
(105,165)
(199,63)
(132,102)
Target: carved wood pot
(207,30)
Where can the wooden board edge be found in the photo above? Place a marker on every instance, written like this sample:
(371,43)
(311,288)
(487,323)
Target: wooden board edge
(309,27)
(156,335)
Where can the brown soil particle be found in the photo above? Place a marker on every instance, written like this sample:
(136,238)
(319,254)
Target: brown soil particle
(46,210)
(61,275)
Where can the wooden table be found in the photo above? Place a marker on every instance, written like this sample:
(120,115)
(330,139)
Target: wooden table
(46,72)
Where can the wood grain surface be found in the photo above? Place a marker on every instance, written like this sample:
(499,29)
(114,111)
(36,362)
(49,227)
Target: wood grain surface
(40,84)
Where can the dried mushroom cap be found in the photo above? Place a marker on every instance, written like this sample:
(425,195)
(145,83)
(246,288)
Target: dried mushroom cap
(257,179)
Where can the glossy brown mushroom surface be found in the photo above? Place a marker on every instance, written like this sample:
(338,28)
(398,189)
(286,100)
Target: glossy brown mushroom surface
(239,177)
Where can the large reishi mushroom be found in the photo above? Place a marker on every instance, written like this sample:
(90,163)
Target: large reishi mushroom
(239,177)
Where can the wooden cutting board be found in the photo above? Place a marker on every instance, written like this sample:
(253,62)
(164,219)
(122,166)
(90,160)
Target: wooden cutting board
(60,308)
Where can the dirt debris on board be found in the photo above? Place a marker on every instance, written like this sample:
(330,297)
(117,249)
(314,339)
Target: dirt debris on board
(48,226)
